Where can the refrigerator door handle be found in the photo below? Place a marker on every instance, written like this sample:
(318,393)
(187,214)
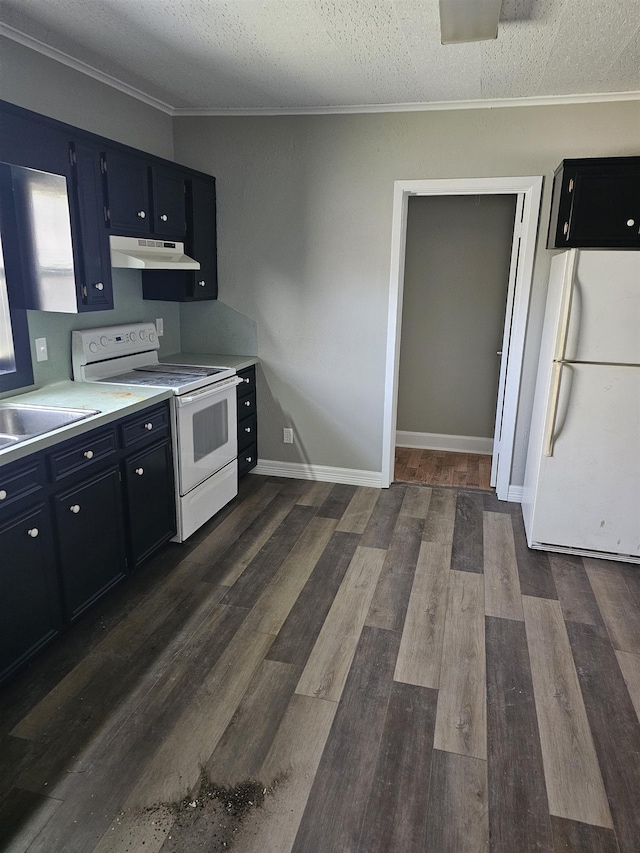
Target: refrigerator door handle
(552,407)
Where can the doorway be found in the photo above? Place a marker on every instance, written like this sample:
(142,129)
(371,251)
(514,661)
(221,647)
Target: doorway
(527,191)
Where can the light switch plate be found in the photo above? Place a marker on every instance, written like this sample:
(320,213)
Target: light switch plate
(41,349)
(160,327)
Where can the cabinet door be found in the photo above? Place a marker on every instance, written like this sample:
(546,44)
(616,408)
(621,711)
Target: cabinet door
(168,191)
(93,271)
(90,538)
(202,238)
(605,209)
(127,192)
(150,500)
(30,610)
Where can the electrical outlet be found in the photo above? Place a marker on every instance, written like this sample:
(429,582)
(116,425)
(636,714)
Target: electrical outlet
(287,435)
(160,327)
(41,349)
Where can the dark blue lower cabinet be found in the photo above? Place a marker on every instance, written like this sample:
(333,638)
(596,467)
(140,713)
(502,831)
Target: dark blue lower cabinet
(89,526)
(151,506)
(30,607)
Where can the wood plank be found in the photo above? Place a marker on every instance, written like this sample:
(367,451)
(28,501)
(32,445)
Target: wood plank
(630,667)
(326,670)
(228,568)
(273,606)
(290,768)
(231,528)
(441,517)
(316,494)
(574,590)
(615,728)
(518,808)
(501,582)
(337,501)
(619,606)
(379,529)
(572,774)
(466,554)
(461,723)
(534,568)
(260,571)
(391,596)
(421,644)
(247,739)
(23,815)
(334,816)
(175,767)
(396,813)
(416,502)
(300,631)
(572,837)
(457,818)
(356,516)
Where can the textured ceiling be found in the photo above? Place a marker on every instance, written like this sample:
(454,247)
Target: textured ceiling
(301,54)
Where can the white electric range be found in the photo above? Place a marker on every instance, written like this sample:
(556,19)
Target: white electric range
(203,409)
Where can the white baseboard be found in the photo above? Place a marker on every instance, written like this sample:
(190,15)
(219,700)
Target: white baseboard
(514,495)
(438,441)
(325,473)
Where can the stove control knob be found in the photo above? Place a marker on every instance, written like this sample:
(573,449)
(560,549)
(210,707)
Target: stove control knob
(143,335)
(152,336)
(103,341)
(133,336)
(93,347)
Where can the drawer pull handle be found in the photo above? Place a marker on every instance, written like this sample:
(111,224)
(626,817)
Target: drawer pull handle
(75,508)
(202,283)
(164,217)
(99,285)
(139,471)
(33,532)
(247,380)
(249,459)
(142,214)
(88,454)
(148,425)
(247,402)
(247,429)
(3,494)
(631,222)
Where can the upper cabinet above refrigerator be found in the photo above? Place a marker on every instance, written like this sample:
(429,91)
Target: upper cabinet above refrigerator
(596,204)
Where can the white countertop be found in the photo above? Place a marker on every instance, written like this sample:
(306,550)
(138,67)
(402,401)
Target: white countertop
(201,359)
(112,402)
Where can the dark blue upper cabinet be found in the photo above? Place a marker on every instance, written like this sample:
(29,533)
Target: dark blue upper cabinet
(127,197)
(142,197)
(168,201)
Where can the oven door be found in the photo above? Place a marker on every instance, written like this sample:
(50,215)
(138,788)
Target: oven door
(206,434)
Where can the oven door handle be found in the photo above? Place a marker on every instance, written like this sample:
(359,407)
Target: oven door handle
(218,388)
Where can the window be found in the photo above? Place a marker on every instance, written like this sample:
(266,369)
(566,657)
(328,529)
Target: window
(15,353)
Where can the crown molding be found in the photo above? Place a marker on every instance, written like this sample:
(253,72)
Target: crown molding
(353,109)
(83,68)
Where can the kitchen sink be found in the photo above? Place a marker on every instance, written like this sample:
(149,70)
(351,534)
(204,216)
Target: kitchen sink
(19,422)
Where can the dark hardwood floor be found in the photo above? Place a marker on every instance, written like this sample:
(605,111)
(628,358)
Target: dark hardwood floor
(442,468)
(328,668)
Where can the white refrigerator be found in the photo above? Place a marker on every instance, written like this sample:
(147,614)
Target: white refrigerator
(582,483)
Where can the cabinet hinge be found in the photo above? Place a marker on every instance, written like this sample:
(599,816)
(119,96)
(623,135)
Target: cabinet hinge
(571,185)
(84,291)
(72,157)
(103,165)
(107,214)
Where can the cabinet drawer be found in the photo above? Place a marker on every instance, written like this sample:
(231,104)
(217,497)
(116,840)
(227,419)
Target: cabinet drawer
(247,431)
(20,480)
(248,386)
(83,454)
(146,427)
(247,459)
(246,406)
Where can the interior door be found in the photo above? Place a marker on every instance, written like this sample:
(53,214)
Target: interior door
(503,353)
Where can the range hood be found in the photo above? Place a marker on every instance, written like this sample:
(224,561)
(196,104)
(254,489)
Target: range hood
(140,254)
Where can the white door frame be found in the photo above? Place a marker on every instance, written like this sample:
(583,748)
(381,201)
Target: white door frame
(530,188)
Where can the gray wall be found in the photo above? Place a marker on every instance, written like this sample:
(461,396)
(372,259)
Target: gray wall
(455,286)
(304,235)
